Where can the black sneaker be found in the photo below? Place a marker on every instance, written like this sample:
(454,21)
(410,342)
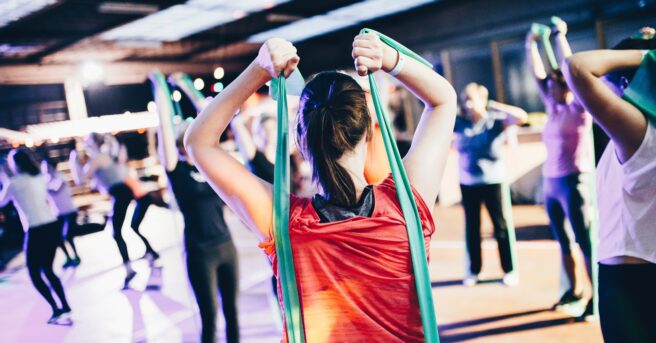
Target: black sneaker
(568,298)
(69,263)
(128,277)
(55,317)
(588,315)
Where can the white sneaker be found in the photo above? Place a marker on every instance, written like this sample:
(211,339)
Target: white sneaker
(511,279)
(470,280)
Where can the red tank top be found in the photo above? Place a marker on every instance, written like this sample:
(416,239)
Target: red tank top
(355,277)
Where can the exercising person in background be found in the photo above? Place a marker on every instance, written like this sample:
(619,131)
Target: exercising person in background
(567,169)
(110,177)
(212,261)
(353,269)
(28,190)
(61,200)
(626,181)
(479,140)
(145,194)
(259,149)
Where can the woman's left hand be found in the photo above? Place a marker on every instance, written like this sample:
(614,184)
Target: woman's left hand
(370,54)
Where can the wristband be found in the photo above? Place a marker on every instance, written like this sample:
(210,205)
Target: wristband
(399,65)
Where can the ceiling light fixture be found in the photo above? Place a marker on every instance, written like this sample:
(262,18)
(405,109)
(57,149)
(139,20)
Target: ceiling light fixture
(179,21)
(337,19)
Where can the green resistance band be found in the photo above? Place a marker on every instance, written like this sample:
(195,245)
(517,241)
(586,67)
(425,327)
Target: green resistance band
(406,200)
(641,92)
(506,204)
(162,95)
(184,82)
(292,310)
(545,32)
(286,273)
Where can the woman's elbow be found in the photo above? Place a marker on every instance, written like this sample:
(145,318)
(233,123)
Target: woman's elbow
(447,98)
(189,140)
(574,67)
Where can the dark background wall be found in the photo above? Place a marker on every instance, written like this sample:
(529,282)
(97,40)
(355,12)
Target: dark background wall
(462,38)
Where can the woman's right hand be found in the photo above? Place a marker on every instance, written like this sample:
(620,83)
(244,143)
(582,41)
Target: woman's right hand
(277,55)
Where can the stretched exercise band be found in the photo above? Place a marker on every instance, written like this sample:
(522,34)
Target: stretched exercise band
(187,86)
(286,272)
(292,310)
(545,32)
(407,200)
(162,96)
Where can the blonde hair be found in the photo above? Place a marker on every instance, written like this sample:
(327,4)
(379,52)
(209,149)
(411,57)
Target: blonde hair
(475,88)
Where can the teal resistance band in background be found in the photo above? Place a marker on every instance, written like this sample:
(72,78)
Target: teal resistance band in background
(162,96)
(545,32)
(642,89)
(183,81)
(286,273)
(407,202)
(506,210)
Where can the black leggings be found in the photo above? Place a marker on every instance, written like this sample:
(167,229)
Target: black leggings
(41,245)
(627,298)
(210,268)
(121,197)
(69,226)
(567,196)
(492,196)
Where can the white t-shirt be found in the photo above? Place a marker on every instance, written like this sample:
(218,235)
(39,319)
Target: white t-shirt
(30,196)
(626,194)
(62,198)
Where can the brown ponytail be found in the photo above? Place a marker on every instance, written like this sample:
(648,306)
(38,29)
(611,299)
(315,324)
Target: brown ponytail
(333,119)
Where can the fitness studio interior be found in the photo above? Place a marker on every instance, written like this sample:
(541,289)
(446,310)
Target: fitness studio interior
(327,171)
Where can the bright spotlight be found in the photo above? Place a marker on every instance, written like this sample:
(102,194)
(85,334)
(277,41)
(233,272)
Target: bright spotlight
(199,84)
(152,106)
(29,143)
(91,72)
(219,73)
(176,96)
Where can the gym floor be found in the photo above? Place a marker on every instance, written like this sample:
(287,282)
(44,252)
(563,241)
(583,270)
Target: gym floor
(160,306)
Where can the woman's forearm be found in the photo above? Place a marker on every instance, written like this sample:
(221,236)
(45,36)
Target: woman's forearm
(214,119)
(518,115)
(534,59)
(601,62)
(563,50)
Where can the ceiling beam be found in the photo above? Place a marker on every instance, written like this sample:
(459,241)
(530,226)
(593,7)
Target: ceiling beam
(114,73)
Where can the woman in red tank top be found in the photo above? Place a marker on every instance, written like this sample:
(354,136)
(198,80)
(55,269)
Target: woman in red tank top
(349,242)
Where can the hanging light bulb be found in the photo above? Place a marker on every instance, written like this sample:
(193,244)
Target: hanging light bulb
(219,73)
(199,84)
(176,96)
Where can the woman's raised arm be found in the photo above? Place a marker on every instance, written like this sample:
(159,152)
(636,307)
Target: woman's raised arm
(166,148)
(242,191)
(426,158)
(623,122)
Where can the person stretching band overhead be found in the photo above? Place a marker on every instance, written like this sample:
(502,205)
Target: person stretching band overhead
(350,243)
